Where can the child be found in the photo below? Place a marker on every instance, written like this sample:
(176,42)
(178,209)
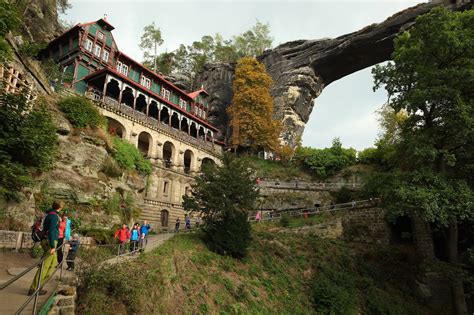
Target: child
(71,256)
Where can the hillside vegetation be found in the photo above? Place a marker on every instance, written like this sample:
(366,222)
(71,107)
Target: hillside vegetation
(284,273)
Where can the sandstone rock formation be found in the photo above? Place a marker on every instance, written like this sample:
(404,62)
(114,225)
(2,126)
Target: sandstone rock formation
(301,69)
(40,21)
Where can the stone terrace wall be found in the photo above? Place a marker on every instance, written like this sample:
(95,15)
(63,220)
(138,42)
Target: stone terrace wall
(366,225)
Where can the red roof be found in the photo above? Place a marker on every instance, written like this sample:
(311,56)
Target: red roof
(149,92)
(194,94)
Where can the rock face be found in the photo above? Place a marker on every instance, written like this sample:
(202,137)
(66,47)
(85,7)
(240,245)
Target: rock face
(40,21)
(301,69)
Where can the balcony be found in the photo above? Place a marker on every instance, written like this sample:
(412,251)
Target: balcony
(112,105)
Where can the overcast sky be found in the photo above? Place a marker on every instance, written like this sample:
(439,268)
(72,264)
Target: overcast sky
(345,109)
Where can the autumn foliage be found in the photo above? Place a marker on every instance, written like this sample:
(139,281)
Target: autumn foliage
(252,108)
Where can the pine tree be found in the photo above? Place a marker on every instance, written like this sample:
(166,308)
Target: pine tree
(252,108)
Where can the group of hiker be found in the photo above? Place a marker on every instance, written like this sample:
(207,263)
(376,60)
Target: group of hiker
(138,237)
(187,223)
(53,231)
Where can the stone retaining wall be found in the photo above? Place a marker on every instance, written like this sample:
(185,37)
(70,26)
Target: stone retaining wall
(366,225)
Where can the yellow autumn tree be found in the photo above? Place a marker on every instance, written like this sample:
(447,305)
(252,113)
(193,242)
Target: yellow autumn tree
(251,109)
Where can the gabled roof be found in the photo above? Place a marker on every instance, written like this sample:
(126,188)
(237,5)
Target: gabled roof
(194,94)
(102,22)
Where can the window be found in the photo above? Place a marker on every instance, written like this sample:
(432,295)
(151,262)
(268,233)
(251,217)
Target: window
(165,187)
(165,93)
(182,104)
(88,45)
(97,50)
(100,35)
(123,69)
(145,82)
(105,55)
(204,114)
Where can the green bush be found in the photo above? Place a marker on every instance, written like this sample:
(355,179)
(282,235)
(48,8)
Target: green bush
(28,142)
(100,235)
(325,162)
(36,251)
(81,112)
(342,195)
(129,157)
(285,220)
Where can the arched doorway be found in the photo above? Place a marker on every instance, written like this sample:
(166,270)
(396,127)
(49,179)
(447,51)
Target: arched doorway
(128,97)
(193,130)
(140,104)
(115,128)
(201,133)
(113,89)
(153,110)
(144,143)
(175,121)
(164,216)
(184,125)
(188,161)
(207,162)
(164,115)
(168,154)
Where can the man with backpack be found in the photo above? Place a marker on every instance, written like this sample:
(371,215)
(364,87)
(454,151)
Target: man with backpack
(49,238)
(123,235)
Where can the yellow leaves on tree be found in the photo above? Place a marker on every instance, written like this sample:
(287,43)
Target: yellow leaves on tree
(252,108)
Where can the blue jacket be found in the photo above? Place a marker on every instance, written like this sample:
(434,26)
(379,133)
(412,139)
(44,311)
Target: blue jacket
(134,235)
(144,229)
(67,231)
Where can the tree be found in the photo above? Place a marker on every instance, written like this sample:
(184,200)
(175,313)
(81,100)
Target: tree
(251,108)
(254,41)
(150,40)
(431,78)
(224,195)
(9,21)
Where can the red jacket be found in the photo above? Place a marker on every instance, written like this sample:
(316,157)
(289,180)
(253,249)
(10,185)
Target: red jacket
(62,228)
(122,234)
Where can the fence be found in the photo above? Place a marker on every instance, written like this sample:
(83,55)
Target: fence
(303,185)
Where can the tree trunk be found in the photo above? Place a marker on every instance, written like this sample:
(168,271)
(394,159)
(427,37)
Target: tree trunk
(154,60)
(457,286)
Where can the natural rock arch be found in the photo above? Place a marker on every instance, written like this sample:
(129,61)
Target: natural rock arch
(301,69)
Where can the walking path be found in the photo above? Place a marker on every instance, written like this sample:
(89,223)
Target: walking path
(11,264)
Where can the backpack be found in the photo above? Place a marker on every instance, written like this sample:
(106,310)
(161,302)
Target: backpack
(37,232)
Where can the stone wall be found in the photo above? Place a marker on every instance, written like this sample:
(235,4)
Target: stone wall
(366,225)
(64,300)
(15,239)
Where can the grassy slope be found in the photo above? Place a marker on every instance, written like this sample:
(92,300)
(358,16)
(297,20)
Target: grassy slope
(183,277)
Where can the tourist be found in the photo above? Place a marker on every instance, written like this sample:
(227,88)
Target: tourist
(71,255)
(67,231)
(353,204)
(270,215)
(134,238)
(187,222)
(144,230)
(51,228)
(258,216)
(123,235)
(60,247)
(176,225)
(198,220)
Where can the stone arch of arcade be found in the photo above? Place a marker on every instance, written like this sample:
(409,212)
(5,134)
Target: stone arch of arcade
(145,143)
(116,128)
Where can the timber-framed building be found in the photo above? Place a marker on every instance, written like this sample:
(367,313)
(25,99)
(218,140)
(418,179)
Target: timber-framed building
(168,125)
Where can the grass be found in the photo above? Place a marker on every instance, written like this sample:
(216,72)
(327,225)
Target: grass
(268,169)
(284,273)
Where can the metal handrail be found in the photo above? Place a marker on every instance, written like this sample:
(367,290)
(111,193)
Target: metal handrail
(40,285)
(316,210)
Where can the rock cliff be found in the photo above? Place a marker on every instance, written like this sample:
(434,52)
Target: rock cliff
(301,69)
(40,21)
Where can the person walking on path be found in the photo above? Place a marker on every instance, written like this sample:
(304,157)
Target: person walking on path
(198,220)
(123,235)
(187,222)
(176,225)
(62,229)
(134,238)
(258,216)
(144,230)
(71,255)
(51,230)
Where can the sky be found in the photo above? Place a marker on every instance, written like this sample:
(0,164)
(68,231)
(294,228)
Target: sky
(346,108)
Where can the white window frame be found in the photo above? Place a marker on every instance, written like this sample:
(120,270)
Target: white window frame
(203,114)
(122,68)
(100,35)
(166,94)
(88,44)
(145,82)
(97,50)
(105,55)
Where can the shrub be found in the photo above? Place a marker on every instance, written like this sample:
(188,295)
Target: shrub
(100,235)
(28,141)
(342,195)
(81,112)
(36,251)
(328,161)
(129,157)
(285,220)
